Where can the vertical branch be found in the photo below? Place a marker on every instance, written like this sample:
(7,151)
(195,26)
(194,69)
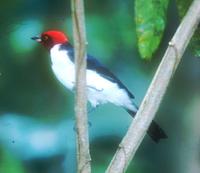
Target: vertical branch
(156,91)
(82,137)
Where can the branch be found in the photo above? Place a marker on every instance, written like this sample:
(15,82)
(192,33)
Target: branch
(156,91)
(82,137)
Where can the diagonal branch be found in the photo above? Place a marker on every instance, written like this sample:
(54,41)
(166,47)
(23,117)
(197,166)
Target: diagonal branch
(82,137)
(156,91)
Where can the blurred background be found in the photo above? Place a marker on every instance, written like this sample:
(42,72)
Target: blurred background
(36,112)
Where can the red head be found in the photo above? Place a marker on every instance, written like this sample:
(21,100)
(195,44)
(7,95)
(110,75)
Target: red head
(51,38)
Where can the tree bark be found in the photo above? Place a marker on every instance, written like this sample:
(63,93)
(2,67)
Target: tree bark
(156,91)
(82,137)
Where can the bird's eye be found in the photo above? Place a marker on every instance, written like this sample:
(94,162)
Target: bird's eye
(45,38)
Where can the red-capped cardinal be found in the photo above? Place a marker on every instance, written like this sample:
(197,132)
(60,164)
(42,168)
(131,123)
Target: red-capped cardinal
(102,85)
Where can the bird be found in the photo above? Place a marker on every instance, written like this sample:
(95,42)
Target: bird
(101,84)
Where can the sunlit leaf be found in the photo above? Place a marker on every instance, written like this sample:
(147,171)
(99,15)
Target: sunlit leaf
(150,19)
(183,6)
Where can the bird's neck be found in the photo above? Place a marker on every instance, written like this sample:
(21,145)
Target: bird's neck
(62,51)
(66,46)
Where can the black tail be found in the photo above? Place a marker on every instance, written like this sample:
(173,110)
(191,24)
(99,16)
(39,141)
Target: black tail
(154,131)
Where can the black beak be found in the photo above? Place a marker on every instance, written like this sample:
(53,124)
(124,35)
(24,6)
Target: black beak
(38,39)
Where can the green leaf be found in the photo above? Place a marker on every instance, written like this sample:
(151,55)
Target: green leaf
(183,6)
(10,164)
(150,19)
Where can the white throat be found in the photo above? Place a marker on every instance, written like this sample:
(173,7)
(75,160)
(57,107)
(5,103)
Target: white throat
(62,66)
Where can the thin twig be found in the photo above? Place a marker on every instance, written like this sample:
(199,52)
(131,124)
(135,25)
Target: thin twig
(82,137)
(156,91)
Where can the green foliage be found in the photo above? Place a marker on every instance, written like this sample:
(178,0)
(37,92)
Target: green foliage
(9,164)
(150,19)
(183,6)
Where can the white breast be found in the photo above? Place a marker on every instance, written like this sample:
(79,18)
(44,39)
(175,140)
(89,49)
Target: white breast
(62,67)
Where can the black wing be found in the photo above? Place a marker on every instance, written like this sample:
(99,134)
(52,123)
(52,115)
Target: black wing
(94,64)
